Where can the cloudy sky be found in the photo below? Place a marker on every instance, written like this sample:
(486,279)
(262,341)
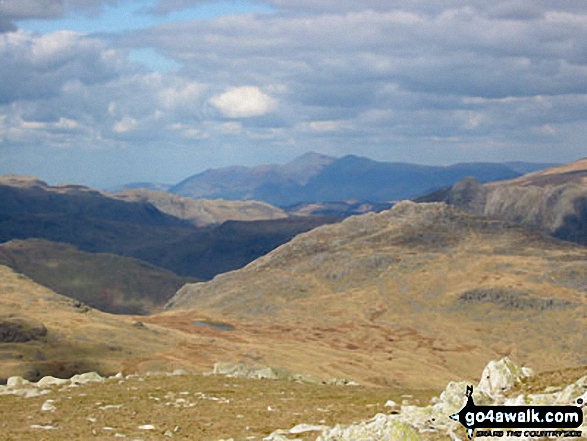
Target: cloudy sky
(103,92)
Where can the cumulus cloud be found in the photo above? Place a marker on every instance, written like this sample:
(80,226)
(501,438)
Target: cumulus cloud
(39,66)
(244,102)
(336,76)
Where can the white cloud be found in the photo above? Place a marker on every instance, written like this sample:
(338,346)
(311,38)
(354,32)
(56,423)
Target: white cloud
(327,126)
(125,125)
(66,123)
(244,102)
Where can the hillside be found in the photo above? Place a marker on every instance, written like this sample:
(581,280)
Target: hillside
(406,296)
(108,282)
(316,178)
(203,212)
(554,200)
(226,247)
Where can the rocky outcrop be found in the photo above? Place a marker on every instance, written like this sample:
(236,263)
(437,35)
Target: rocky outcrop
(19,386)
(242,370)
(432,422)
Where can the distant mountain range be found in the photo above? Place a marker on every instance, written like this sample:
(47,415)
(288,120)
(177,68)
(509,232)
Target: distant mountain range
(318,178)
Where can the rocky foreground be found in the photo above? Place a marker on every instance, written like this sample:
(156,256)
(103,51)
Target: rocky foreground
(183,406)
(432,421)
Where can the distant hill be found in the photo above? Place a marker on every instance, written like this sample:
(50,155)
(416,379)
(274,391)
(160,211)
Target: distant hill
(415,293)
(108,282)
(554,199)
(96,222)
(229,246)
(240,183)
(202,212)
(317,178)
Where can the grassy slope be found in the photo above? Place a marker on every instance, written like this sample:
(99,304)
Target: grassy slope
(190,404)
(79,339)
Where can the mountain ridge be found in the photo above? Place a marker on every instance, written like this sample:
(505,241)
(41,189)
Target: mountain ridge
(317,178)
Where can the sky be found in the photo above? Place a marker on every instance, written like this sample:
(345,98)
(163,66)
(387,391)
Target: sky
(105,92)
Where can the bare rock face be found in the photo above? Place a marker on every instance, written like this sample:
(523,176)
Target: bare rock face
(554,200)
(502,375)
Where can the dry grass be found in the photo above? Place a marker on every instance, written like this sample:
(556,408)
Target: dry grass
(191,407)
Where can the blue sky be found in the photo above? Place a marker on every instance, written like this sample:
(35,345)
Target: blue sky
(132,15)
(104,92)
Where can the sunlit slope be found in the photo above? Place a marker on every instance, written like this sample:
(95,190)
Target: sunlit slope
(43,333)
(202,212)
(406,296)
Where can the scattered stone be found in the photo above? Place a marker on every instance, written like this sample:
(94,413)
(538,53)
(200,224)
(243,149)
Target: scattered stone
(88,377)
(47,427)
(303,428)
(390,403)
(241,370)
(147,427)
(48,406)
(51,381)
(14,382)
(110,406)
(31,393)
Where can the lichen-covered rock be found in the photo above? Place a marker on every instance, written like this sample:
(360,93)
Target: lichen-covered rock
(16,382)
(88,377)
(432,421)
(51,381)
(499,376)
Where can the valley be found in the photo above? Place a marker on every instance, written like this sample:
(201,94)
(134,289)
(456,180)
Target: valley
(340,313)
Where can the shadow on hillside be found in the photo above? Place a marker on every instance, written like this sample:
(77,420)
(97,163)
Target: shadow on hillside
(574,228)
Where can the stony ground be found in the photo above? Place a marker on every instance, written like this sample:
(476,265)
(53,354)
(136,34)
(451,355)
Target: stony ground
(189,407)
